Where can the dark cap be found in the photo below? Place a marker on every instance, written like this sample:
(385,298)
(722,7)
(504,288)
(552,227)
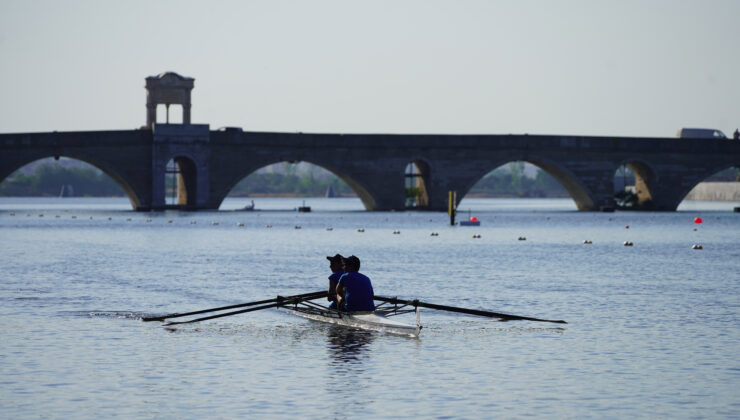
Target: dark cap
(335,259)
(352,262)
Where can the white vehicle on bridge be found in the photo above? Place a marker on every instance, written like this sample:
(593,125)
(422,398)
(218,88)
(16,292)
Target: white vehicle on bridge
(700,133)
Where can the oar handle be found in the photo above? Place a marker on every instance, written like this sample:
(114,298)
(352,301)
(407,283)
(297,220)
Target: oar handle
(418,303)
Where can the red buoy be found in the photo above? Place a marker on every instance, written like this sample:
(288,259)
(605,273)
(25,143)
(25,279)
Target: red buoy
(473,219)
(698,220)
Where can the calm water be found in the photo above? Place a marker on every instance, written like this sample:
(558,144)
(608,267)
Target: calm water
(654,329)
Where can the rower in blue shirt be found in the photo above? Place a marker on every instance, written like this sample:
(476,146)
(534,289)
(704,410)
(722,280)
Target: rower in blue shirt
(354,290)
(335,265)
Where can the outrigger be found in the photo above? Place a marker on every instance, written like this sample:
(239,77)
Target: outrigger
(377,320)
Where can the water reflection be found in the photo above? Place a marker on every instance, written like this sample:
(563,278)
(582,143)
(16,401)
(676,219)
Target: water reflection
(347,345)
(349,353)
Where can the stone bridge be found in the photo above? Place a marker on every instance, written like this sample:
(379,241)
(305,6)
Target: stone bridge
(211,163)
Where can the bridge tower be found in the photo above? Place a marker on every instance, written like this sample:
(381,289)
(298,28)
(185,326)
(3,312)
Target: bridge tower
(186,146)
(168,89)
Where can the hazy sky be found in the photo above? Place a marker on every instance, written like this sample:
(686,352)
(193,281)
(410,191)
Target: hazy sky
(628,68)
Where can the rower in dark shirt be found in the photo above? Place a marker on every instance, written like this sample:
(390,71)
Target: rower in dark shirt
(354,290)
(335,265)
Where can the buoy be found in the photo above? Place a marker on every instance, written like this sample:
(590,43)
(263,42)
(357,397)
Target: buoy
(476,236)
(240,224)
(698,220)
(90,217)
(360,230)
(627,227)
(192,222)
(268,226)
(435,233)
(329,228)
(57,216)
(396,232)
(215,223)
(110,218)
(697,246)
(522,238)
(587,242)
(297,226)
(628,243)
(694,229)
(473,219)
(169,221)
(148,220)
(74,217)
(128,219)
(41,215)
(12,214)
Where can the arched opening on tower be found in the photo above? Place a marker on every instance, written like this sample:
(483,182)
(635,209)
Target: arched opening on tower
(294,180)
(169,114)
(180,183)
(633,185)
(528,180)
(416,179)
(63,177)
(718,191)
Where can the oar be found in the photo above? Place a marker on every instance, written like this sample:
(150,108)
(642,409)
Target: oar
(280,301)
(317,295)
(464,310)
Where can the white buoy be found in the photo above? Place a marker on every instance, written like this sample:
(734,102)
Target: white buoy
(697,246)
(240,224)
(628,243)
(587,242)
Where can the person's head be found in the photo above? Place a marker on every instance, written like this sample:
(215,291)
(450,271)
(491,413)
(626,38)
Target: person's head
(352,264)
(335,263)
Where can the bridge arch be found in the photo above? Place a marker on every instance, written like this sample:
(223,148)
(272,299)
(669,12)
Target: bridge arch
(359,188)
(416,183)
(127,189)
(704,176)
(645,178)
(181,175)
(580,194)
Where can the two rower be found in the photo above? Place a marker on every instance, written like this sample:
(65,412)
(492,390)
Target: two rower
(353,290)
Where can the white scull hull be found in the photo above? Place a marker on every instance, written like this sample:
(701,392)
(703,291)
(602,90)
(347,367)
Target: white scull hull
(370,321)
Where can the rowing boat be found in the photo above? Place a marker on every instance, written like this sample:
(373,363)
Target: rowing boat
(376,320)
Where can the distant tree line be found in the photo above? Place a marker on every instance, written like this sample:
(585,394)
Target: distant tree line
(291,184)
(48,179)
(512,182)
